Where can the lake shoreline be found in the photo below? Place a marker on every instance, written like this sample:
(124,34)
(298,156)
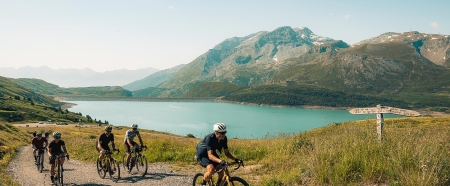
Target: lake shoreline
(67,104)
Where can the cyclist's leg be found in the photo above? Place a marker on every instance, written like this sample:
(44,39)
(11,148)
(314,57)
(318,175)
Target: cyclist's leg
(62,159)
(209,165)
(52,167)
(34,152)
(128,150)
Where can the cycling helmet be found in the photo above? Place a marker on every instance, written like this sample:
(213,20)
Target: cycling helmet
(39,134)
(108,128)
(220,127)
(57,134)
(134,126)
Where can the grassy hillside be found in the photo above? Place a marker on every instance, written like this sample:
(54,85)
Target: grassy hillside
(10,139)
(18,104)
(213,89)
(300,95)
(414,152)
(42,87)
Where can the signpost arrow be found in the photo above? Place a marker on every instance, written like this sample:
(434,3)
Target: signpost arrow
(380,110)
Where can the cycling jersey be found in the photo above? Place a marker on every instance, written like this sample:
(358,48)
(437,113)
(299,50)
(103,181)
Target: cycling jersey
(130,134)
(104,140)
(56,147)
(39,143)
(210,142)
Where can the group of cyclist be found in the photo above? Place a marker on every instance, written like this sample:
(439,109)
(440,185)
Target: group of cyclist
(206,150)
(55,148)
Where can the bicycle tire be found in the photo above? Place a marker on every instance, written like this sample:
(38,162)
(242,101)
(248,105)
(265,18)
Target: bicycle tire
(100,171)
(141,165)
(124,163)
(38,163)
(60,176)
(198,179)
(114,170)
(236,181)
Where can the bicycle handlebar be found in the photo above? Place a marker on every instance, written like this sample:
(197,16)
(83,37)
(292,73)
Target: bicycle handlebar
(110,152)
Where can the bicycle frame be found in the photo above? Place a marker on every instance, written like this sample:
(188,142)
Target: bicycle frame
(110,166)
(58,178)
(227,179)
(40,159)
(137,160)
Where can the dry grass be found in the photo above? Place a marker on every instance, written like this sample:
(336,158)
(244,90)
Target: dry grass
(414,151)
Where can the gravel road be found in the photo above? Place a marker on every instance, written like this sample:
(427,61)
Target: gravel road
(77,173)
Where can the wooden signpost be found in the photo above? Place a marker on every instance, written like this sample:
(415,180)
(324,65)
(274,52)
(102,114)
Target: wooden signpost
(380,110)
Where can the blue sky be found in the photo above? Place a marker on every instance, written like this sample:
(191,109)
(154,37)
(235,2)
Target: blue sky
(111,35)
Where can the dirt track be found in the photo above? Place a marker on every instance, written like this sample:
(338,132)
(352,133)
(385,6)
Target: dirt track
(77,173)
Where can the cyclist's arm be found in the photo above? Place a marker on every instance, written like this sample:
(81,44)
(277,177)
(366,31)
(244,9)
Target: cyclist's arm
(129,142)
(113,145)
(212,157)
(140,140)
(64,149)
(49,151)
(228,154)
(45,144)
(99,143)
(32,144)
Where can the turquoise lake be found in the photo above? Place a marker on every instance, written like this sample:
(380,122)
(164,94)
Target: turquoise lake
(198,118)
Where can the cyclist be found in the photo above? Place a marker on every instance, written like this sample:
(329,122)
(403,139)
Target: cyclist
(34,134)
(207,155)
(46,134)
(56,148)
(103,141)
(37,143)
(129,141)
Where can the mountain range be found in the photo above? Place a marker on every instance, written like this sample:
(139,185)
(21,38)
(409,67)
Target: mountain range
(78,77)
(409,66)
(392,63)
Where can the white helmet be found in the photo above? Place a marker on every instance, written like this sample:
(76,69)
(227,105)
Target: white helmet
(220,127)
(134,126)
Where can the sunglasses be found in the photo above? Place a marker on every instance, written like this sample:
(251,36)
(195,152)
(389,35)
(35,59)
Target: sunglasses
(108,131)
(223,133)
(57,137)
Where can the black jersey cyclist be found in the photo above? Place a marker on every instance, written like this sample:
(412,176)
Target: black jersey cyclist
(103,141)
(207,152)
(56,148)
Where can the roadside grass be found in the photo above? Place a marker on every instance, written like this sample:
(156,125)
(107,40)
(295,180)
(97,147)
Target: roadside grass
(10,139)
(414,151)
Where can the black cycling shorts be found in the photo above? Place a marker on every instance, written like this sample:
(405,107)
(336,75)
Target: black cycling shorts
(52,160)
(205,161)
(106,148)
(127,147)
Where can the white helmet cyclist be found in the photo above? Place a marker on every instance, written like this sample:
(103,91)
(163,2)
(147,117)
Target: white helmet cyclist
(220,127)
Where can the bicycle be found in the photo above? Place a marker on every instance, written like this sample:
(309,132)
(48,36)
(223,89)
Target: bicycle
(58,178)
(40,160)
(137,160)
(226,180)
(110,165)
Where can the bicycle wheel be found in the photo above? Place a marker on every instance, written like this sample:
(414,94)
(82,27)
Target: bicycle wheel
(124,163)
(38,162)
(101,172)
(141,165)
(60,176)
(198,179)
(114,170)
(236,181)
